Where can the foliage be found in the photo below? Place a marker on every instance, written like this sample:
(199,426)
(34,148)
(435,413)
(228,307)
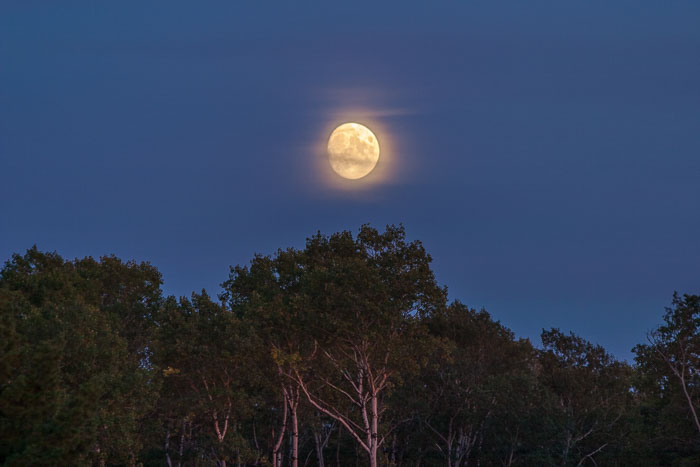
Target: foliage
(668,381)
(76,377)
(344,352)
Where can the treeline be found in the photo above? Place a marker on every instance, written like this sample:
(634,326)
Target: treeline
(343,353)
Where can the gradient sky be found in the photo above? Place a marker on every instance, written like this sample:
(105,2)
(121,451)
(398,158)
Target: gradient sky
(546,153)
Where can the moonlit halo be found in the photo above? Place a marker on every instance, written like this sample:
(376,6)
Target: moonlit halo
(387,169)
(353,150)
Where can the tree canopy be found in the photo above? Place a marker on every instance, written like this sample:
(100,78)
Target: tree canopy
(343,352)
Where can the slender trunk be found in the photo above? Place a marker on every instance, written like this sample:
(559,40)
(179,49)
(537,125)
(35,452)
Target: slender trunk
(295,436)
(319,449)
(321,439)
(182,443)
(277,451)
(167,445)
(690,403)
(222,462)
(450,441)
(565,454)
(374,435)
(255,439)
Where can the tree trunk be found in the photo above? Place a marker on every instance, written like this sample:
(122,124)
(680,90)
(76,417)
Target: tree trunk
(182,442)
(690,401)
(222,462)
(295,435)
(277,449)
(167,445)
(321,439)
(374,436)
(450,440)
(319,449)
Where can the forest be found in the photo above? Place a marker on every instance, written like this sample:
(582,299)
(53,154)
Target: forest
(346,352)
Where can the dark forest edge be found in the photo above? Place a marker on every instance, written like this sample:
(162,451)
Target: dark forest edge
(343,353)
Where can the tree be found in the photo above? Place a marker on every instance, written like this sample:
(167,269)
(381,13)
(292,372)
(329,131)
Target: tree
(363,299)
(591,392)
(200,348)
(669,378)
(457,389)
(76,381)
(343,352)
(266,296)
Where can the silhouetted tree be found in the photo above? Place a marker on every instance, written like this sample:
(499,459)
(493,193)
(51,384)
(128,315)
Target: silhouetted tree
(591,392)
(203,356)
(77,382)
(669,382)
(342,353)
(366,296)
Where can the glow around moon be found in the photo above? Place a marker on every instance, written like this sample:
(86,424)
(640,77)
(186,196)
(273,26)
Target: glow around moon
(353,150)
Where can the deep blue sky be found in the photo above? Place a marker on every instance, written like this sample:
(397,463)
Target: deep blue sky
(546,153)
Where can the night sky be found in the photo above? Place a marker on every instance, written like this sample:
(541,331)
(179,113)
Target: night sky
(546,153)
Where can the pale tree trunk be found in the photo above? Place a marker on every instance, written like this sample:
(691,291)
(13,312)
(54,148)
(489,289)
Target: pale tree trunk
(680,373)
(291,395)
(321,439)
(513,444)
(182,442)
(450,442)
(374,436)
(277,451)
(167,446)
(690,402)
(220,423)
(367,384)
(319,450)
(293,405)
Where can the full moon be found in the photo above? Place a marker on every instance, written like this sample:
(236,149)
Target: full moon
(353,150)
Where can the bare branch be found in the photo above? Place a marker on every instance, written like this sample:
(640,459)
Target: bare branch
(335,415)
(591,454)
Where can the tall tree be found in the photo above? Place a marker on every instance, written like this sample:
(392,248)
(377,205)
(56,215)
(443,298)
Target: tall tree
(591,393)
(364,297)
(266,296)
(457,388)
(78,333)
(201,351)
(669,383)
